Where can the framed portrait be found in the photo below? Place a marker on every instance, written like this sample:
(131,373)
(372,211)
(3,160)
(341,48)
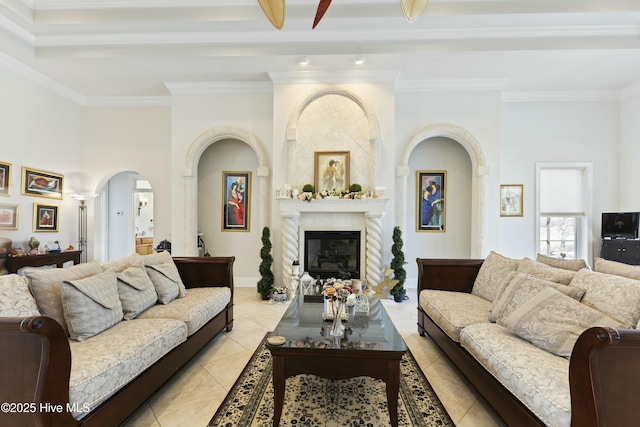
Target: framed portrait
(236,193)
(5,178)
(8,217)
(45,217)
(511,200)
(430,200)
(331,171)
(41,184)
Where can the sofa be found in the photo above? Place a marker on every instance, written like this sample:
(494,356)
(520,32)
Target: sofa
(546,342)
(89,344)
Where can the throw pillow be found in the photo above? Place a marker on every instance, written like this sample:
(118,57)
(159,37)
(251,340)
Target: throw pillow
(491,275)
(553,321)
(165,277)
(46,287)
(546,272)
(121,264)
(617,268)
(15,298)
(522,287)
(565,264)
(616,296)
(135,289)
(91,305)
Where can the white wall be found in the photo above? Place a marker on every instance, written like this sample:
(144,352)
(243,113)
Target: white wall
(629,156)
(40,130)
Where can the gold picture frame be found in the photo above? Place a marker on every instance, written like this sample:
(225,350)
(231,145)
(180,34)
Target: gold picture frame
(331,171)
(511,200)
(45,218)
(40,183)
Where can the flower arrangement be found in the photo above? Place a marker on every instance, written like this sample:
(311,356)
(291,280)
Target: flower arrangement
(354,192)
(336,290)
(281,290)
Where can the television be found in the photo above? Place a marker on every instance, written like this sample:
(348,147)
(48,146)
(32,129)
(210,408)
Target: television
(620,225)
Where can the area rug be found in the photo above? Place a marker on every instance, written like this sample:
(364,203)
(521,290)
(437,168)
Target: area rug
(314,401)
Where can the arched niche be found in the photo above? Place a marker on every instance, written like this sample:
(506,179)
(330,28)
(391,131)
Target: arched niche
(295,165)
(479,173)
(195,151)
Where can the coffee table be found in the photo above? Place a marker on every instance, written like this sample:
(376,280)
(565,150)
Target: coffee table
(371,347)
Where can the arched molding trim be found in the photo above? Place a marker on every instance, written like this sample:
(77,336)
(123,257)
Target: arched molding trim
(479,174)
(292,129)
(190,182)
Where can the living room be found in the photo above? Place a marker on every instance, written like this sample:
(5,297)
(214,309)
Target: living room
(472,116)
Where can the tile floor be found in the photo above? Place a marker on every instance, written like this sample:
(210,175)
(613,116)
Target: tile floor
(193,395)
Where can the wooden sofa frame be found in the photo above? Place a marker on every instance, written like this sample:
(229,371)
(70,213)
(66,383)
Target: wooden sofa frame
(35,360)
(604,372)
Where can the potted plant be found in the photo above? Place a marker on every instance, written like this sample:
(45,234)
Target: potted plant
(397,265)
(265,284)
(355,188)
(307,188)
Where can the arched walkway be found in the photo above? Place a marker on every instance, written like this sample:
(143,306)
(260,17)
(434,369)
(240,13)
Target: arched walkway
(480,171)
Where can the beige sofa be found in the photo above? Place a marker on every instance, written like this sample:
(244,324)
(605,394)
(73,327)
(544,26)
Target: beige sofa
(89,344)
(545,341)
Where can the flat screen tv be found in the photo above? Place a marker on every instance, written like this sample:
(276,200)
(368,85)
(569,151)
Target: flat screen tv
(620,225)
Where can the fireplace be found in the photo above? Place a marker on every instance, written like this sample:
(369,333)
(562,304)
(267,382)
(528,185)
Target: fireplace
(332,254)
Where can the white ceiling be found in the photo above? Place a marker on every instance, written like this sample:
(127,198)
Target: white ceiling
(144,49)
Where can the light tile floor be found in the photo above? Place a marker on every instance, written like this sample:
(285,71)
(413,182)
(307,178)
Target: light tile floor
(193,395)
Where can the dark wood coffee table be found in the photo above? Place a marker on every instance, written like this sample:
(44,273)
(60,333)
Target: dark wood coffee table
(372,347)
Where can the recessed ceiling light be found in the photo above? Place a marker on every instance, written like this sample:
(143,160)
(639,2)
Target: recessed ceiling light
(359,60)
(304,60)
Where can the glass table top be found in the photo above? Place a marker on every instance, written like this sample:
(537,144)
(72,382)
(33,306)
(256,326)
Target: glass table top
(303,326)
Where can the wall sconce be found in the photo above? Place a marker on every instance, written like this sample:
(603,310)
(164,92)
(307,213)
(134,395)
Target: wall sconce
(141,204)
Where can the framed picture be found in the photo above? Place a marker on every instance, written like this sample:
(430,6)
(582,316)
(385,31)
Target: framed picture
(5,178)
(236,193)
(331,171)
(8,217)
(41,183)
(511,200)
(430,200)
(45,217)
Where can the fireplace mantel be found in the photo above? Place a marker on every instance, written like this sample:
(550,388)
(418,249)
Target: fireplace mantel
(372,210)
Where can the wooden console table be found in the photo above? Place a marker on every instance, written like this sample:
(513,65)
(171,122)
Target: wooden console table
(13,264)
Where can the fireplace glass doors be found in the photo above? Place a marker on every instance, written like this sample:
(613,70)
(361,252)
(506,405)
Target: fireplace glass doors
(332,254)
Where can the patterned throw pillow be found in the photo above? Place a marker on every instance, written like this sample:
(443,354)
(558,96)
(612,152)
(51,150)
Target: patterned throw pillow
(617,297)
(617,268)
(552,321)
(522,287)
(46,287)
(121,264)
(545,272)
(565,264)
(15,298)
(491,275)
(91,305)
(165,277)
(136,290)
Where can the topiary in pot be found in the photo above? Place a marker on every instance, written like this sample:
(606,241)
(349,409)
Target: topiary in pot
(307,188)
(265,284)
(397,264)
(355,188)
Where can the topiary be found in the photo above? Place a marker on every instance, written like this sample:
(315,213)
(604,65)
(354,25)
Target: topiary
(355,188)
(307,188)
(397,265)
(265,284)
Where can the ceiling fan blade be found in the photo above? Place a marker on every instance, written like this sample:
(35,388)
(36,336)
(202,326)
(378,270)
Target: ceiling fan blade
(322,8)
(412,9)
(274,10)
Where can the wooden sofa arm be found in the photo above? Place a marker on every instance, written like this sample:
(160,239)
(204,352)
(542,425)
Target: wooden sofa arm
(35,363)
(604,376)
(447,274)
(198,272)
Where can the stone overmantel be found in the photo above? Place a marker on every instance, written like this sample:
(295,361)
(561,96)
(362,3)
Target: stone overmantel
(372,210)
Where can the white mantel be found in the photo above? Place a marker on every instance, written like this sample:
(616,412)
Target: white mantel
(334,214)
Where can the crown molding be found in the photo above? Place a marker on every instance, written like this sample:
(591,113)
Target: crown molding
(631,90)
(450,85)
(127,101)
(195,88)
(560,96)
(334,77)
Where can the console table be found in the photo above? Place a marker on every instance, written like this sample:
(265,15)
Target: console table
(15,263)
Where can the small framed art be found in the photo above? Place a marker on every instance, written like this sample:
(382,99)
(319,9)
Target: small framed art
(5,178)
(236,194)
(430,200)
(8,217)
(331,171)
(41,184)
(511,196)
(45,217)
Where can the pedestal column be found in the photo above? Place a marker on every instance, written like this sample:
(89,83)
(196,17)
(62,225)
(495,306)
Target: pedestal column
(289,243)
(374,273)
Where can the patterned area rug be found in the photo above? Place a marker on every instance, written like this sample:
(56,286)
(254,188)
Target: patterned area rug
(314,401)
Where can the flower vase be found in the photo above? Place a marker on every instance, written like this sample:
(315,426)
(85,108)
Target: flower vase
(337,329)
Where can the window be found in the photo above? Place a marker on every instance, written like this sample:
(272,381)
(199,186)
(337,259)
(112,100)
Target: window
(563,209)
